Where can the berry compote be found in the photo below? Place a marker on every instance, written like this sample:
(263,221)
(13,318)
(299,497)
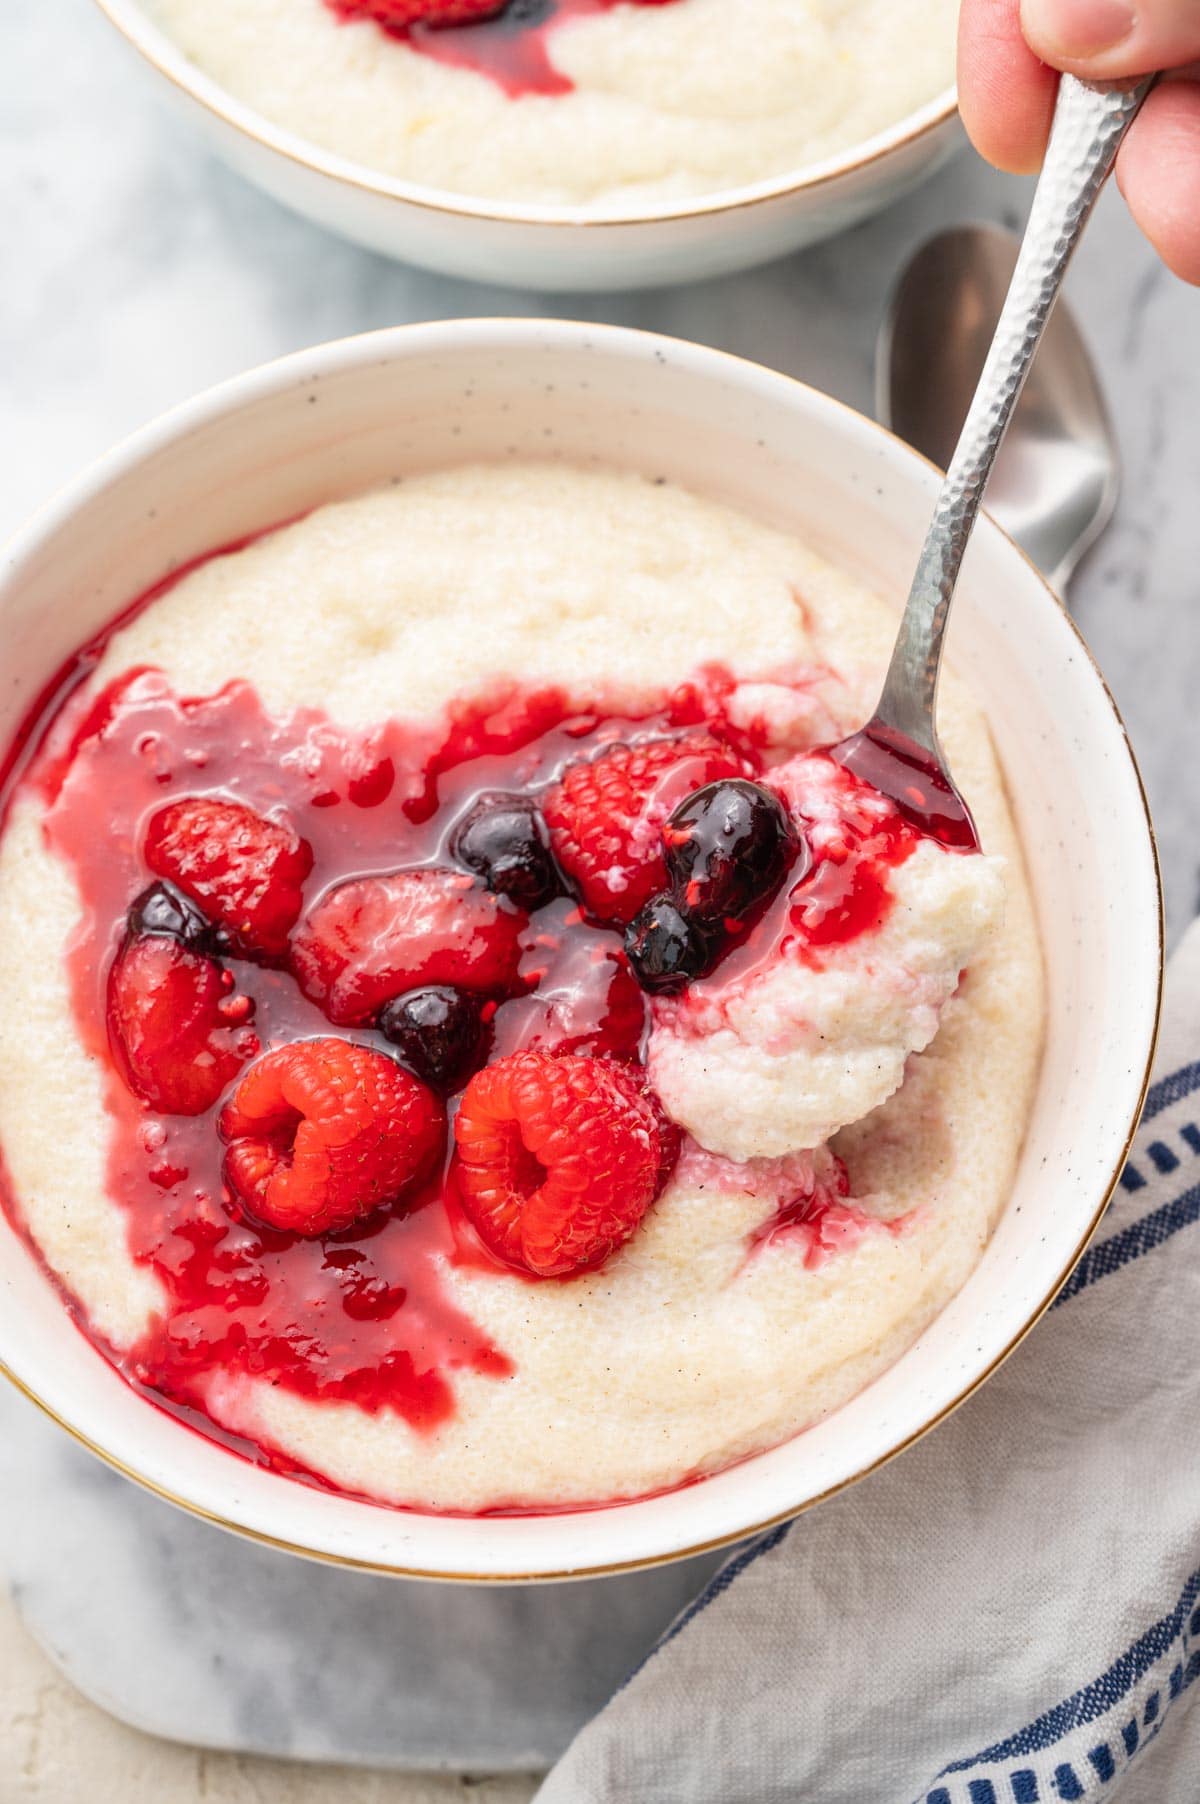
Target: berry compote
(147,794)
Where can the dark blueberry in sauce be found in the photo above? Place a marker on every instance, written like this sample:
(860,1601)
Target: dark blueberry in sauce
(667,947)
(167,913)
(728,846)
(438,1033)
(503,839)
(523,15)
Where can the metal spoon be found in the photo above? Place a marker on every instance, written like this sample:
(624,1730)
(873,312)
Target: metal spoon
(1056,480)
(898,750)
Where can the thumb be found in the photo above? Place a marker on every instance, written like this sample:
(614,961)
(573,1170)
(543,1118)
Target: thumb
(1106,38)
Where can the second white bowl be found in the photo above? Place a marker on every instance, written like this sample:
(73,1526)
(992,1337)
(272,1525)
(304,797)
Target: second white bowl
(555,248)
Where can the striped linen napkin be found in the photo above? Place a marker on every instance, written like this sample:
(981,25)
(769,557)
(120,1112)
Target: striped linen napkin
(1009,1614)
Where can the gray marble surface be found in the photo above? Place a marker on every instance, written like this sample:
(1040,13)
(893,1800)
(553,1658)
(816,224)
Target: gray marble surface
(136,271)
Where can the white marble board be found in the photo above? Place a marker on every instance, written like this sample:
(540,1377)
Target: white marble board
(136,271)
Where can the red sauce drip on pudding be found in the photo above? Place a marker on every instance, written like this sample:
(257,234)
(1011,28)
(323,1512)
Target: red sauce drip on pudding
(512,48)
(820,1219)
(847,891)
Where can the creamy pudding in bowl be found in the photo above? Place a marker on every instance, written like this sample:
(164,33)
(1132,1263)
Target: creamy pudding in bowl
(466,1043)
(269,695)
(588,104)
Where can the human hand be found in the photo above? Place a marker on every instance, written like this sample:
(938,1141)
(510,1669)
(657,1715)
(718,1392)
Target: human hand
(1009,55)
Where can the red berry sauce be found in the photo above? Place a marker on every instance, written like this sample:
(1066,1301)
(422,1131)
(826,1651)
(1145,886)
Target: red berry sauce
(512,48)
(910,777)
(363,1315)
(822,1221)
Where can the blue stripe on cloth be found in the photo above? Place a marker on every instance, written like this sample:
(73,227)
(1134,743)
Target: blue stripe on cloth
(717,1585)
(1141,1238)
(1096,1699)
(1066,1782)
(1101,1758)
(1133,1242)
(1171,1089)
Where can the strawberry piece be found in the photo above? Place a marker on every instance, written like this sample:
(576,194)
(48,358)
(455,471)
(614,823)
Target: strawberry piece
(322,1133)
(176,1029)
(372,938)
(606,816)
(398,15)
(246,872)
(559,1159)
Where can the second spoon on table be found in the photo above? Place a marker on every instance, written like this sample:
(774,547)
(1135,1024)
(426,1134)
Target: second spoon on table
(1056,479)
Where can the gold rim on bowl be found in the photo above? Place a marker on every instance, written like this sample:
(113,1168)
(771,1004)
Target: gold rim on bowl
(165,428)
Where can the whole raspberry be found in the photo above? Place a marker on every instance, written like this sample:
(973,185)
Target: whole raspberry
(372,938)
(606,816)
(246,872)
(559,1159)
(176,1030)
(322,1132)
(398,15)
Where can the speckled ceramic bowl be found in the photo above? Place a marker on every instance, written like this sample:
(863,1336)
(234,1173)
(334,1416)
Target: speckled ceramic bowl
(560,248)
(334,420)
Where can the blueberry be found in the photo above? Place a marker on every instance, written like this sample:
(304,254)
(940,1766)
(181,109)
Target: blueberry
(667,947)
(166,913)
(728,846)
(503,839)
(523,15)
(438,1033)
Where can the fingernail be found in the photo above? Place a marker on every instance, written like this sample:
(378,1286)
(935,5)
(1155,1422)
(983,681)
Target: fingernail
(1076,29)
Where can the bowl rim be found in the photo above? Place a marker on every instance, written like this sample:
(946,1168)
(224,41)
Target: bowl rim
(153,45)
(224,400)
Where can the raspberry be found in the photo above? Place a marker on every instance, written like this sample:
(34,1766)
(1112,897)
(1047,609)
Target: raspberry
(321,1133)
(173,1032)
(372,938)
(246,873)
(606,816)
(398,15)
(559,1159)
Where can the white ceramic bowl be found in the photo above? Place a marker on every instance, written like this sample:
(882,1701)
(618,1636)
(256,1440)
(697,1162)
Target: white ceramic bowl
(558,248)
(331,421)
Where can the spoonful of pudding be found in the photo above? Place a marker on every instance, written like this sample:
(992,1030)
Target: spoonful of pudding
(898,752)
(805,1023)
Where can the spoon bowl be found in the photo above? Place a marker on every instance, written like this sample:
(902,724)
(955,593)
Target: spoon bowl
(1056,479)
